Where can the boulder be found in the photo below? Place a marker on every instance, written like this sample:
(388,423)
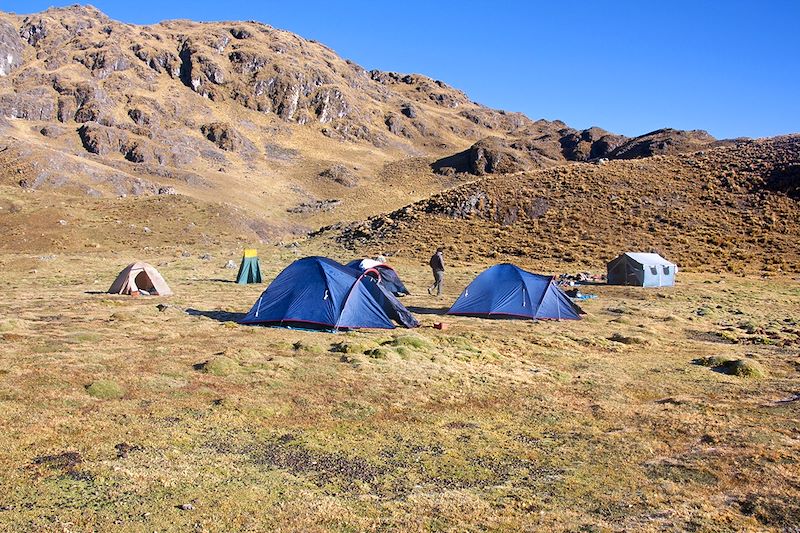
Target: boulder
(408,110)
(223,135)
(493,156)
(395,125)
(102,63)
(103,140)
(33,30)
(241,33)
(52,130)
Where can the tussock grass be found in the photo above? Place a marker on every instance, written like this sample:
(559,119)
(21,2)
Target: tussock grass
(409,341)
(743,368)
(220,365)
(302,346)
(105,389)
(13,325)
(627,339)
(378,353)
(713,360)
(348,347)
(85,337)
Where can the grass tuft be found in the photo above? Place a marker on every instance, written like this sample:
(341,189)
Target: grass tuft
(351,347)
(219,366)
(409,341)
(301,346)
(377,353)
(85,336)
(712,360)
(743,368)
(105,389)
(12,325)
(625,339)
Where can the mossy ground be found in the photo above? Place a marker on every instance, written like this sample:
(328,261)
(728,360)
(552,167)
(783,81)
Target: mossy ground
(489,425)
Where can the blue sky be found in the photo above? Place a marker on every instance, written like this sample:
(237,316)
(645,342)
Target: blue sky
(729,67)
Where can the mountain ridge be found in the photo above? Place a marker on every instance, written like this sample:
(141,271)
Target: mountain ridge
(79,66)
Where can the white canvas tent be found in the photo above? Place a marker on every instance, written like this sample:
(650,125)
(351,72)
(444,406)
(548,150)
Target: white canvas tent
(642,270)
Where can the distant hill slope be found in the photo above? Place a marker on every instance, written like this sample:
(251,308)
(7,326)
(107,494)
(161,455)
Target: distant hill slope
(253,117)
(734,207)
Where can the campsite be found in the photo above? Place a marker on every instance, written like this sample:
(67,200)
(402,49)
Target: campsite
(254,282)
(507,422)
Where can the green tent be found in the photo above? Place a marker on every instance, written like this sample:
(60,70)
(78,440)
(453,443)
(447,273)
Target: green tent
(249,271)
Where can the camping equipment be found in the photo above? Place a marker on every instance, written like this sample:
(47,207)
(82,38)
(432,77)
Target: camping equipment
(317,292)
(641,270)
(387,276)
(507,291)
(249,270)
(140,278)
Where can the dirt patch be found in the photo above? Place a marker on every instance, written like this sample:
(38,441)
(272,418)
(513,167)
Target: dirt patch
(323,468)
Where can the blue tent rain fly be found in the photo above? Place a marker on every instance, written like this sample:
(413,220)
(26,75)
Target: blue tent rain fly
(317,292)
(388,277)
(507,291)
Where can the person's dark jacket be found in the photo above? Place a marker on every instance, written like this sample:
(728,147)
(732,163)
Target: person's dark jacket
(437,262)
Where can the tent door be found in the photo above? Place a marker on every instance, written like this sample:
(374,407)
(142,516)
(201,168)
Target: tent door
(142,281)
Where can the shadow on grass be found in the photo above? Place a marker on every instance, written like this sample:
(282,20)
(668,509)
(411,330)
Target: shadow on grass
(219,316)
(428,310)
(96,292)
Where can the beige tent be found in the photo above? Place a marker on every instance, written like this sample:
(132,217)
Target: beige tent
(140,277)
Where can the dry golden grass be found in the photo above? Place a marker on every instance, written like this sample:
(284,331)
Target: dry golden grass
(489,425)
(723,209)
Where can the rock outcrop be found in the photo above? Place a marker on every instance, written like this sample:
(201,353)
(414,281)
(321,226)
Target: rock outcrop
(11,48)
(340,174)
(662,142)
(549,143)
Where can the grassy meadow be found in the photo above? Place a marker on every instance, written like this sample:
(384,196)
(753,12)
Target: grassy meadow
(117,414)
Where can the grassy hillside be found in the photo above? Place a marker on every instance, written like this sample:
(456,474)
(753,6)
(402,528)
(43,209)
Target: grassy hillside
(731,208)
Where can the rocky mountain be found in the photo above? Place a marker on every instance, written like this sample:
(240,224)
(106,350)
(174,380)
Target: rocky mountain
(103,108)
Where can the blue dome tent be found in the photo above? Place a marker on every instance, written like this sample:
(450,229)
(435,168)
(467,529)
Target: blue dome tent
(507,291)
(387,276)
(317,292)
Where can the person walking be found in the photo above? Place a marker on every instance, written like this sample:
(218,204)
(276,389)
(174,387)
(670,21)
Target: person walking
(437,265)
